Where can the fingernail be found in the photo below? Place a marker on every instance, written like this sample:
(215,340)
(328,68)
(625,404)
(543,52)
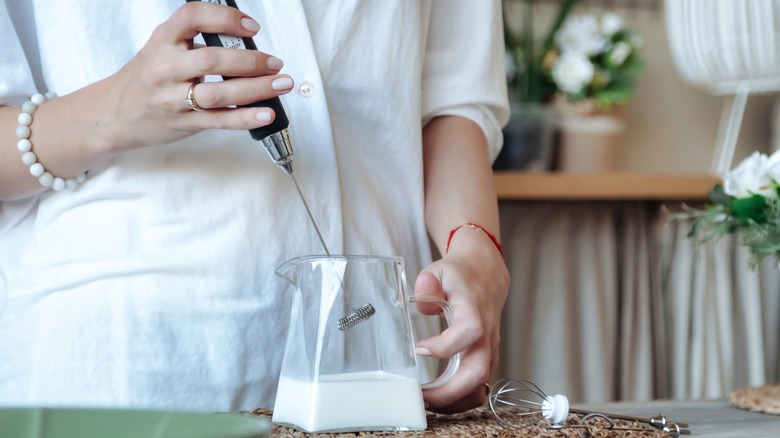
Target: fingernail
(274,63)
(422,351)
(282,83)
(250,24)
(263,116)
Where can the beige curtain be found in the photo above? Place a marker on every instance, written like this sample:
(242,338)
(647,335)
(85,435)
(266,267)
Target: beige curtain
(610,301)
(722,317)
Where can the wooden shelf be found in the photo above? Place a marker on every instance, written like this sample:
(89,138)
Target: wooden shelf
(607,186)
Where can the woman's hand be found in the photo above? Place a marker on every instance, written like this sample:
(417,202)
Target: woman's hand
(144,102)
(474,279)
(472,275)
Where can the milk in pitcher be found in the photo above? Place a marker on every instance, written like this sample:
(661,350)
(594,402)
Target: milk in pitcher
(372,400)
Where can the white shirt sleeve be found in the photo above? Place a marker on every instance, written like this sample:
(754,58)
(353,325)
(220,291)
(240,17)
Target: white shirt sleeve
(16,83)
(464,73)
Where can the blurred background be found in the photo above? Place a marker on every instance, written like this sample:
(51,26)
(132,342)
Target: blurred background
(671,125)
(610,300)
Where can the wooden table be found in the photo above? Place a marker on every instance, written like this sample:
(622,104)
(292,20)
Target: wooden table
(717,418)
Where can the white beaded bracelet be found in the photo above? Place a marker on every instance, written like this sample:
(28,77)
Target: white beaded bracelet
(29,158)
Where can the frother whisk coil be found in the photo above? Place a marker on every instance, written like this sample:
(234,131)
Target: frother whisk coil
(357,316)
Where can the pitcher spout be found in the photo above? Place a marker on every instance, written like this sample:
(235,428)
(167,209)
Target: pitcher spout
(288,270)
(291,269)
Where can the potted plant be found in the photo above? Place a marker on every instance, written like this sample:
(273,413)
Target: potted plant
(528,138)
(594,63)
(584,65)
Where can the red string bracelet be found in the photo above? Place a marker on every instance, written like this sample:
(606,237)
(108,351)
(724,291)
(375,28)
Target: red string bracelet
(476,227)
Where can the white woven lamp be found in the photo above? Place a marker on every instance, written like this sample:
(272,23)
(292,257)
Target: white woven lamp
(731,48)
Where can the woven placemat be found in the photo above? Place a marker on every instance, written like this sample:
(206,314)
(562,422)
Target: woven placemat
(480,422)
(765,399)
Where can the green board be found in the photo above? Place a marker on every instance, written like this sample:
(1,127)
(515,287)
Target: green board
(126,423)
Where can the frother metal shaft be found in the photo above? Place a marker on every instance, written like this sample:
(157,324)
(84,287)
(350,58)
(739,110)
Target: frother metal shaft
(276,141)
(280,150)
(306,205)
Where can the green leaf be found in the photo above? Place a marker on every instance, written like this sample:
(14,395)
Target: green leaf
(718,196)
(616,95)
(749,209)
(632,68)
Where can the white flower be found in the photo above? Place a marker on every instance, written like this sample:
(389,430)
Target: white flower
(582,34)
(611,23)
(749,178)
(773,166)
(619,53)
(572,72)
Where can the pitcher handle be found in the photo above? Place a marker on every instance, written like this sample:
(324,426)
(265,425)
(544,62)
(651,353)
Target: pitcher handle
(454,362)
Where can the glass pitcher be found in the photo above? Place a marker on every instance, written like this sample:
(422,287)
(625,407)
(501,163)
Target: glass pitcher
(363,377)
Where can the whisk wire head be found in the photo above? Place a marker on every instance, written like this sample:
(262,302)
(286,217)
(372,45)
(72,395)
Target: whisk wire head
(356,317)
(529,400)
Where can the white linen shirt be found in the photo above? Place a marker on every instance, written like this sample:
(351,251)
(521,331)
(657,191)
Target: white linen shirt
(152,284)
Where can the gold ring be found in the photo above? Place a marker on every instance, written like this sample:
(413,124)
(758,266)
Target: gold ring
(191,97)
(487,389)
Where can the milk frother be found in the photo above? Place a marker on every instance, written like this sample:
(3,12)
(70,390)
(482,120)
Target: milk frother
(276,141)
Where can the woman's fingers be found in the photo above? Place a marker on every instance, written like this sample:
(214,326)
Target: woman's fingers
(466,330)
(214,98)
(195,17)
(474,399)
(238,91)
(428,285)
(150,100)
(227,62)
(234,119)
(174,62)
(476,295)
(466,389)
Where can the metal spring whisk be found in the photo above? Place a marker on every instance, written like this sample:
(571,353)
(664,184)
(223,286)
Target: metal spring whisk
(526,405)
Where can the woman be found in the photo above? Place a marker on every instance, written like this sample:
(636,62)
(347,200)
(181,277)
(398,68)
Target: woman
(151,282)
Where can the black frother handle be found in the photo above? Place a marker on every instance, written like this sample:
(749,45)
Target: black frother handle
(281,122)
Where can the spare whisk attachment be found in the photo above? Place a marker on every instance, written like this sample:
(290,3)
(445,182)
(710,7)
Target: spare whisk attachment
(657,422)
(529,400)
(520,404)
(593,424)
